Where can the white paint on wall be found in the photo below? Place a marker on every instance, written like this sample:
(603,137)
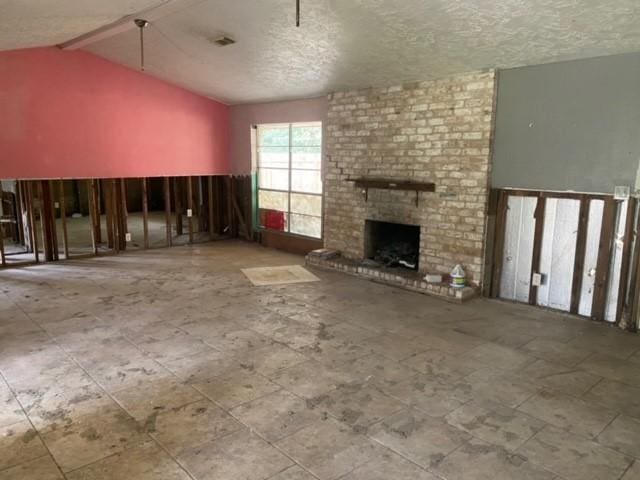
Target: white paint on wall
(518,248)
(557,255)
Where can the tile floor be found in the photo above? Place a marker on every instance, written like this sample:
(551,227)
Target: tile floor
(169,364)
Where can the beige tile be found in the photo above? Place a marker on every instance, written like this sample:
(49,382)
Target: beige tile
(10,410)
(238,340)
(311,379)
(569,380)
(430,394)
(42,468)
(568,412)
(611,368)
(238,455)
(477,460)
(555,351)
(143,462)
(293,473)
(616,396)
(19,443)
(190,425)
(235,387)
(377,370)
(495,385)
(623,435)
(495,356)
(573,457)
(495,423)
(388,466)
(270,360)
(633,473)
(440,364)
(104,430)
(355,404)
(329,449)
(158,396)
(276,415)
(418,437)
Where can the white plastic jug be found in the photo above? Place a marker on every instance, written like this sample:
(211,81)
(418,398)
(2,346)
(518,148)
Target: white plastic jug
(458,277)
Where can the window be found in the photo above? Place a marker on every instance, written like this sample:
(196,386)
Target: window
(289,180)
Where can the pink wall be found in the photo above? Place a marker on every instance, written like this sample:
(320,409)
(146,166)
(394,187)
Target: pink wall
(244,116)
(74,114)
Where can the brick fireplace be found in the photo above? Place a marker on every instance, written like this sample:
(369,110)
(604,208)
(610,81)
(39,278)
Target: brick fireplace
(437,131)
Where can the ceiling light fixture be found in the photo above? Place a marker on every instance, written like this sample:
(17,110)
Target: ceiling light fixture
(297,13)
(141,24)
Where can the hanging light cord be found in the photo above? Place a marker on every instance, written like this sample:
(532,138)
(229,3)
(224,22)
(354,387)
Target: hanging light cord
(141,25)
(297,13)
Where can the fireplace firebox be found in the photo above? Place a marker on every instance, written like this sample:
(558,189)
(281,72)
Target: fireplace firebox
(392,244)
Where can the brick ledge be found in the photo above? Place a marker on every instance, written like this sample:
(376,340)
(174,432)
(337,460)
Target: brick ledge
(404,279)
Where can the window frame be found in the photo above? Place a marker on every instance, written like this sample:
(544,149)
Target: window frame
(289,169)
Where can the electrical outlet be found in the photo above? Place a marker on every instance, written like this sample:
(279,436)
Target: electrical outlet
(128,237)
(536,279)
(189,213)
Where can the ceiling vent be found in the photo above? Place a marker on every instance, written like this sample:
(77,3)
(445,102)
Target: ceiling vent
(223,41)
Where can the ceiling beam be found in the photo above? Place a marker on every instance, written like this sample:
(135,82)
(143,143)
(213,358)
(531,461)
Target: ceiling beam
(167,7)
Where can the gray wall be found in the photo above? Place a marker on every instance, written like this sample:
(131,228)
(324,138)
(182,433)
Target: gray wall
(569,126)
(242,117)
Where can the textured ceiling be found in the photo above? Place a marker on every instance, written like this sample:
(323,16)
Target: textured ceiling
(36,23)
(340,44)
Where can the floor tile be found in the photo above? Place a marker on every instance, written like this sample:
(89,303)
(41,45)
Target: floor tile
(568,412)
(329,449)
(477,460)
(623,435)
(19,443)
(293,473)
(495,423)
(311,379)
(573,457)
(185,427)
(240,455)
(389,466)
(416,436)
(43,468)
(616,396)
(235,387)
(143,462)
(276,415)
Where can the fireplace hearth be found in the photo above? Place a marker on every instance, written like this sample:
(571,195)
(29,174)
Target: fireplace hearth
(392,244)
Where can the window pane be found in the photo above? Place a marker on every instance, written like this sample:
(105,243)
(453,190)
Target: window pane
(273,200)
(306,135)
(273,220)
(307,204)
(273,179)
(306,225)
(306,181)
(273,136)
(273,157)
(306,157)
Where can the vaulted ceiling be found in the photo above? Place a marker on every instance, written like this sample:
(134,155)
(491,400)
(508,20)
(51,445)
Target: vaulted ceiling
(341,44)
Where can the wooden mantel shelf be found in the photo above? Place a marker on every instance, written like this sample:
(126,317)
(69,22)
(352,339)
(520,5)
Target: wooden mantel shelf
(383,184)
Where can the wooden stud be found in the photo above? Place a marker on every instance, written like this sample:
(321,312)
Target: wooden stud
(177,205)
(124,213)
(63,219)
(229,185)
(32,221)
(604,259)
(581,248)
(47,221)
(145,213)
(167,210)
(190,207)
(498,243)
(537,246)
(3,260)
(91,188)
(210,205)
(98,210)
(626,258)
(634,308)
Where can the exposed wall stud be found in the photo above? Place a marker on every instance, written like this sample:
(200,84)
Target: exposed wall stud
(581,247)
(604,259)
(63,219)
(145,213)
(167,210)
